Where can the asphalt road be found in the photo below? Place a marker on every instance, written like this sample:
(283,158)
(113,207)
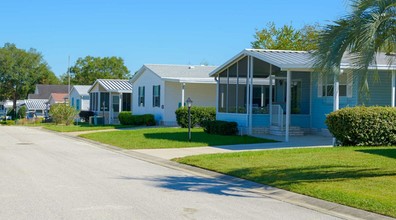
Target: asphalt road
(48,176)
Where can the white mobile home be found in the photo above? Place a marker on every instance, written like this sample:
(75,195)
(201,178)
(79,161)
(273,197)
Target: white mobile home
(108,97)
(162,89)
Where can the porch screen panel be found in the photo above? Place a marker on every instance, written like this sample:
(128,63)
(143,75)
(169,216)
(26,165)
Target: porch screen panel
(116,103)
(232,89)
(241,86)
(104,101)
(223,91)
(126,101)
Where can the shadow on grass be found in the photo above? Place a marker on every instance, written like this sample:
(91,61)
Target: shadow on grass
(198,184)
(286,177)
(209,139)
(391,153)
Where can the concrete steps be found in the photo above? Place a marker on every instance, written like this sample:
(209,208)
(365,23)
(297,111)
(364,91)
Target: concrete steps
(293,131)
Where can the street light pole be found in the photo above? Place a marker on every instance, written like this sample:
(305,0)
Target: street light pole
(189,103)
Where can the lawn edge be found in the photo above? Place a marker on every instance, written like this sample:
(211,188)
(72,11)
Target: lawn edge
(322,206)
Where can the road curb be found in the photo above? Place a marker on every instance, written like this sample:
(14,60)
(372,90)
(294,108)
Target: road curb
(330,208)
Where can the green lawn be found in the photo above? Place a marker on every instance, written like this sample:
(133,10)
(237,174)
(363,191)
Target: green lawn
(364,178)
(80,127)
(167,138)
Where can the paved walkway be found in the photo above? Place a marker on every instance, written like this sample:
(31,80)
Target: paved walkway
(294,142)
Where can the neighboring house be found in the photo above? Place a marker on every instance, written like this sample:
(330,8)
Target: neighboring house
(161,89)
(7,105)
(108,97)
(44,91)
(278,92)
(36,107)
(55,98)
(79,97)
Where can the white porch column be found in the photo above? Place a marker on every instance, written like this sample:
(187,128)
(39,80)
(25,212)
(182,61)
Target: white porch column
(288,105)
(120,103)
(270,96)
(251,96)
(336,95)
(182,101)
(393,88)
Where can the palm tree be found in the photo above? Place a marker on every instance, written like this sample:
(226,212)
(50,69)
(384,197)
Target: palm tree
(370,28)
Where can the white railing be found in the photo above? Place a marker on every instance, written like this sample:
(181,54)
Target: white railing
(277,116)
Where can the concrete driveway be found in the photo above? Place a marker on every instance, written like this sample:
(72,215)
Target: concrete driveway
(45,175)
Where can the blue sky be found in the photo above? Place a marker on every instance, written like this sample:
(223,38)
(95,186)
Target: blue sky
(151,31)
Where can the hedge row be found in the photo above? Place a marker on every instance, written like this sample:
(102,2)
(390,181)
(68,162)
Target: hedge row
(220,127)
(126,118)
(198,115)
(363,126)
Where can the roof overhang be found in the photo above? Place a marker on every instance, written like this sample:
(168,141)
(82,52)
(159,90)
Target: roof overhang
(207,80)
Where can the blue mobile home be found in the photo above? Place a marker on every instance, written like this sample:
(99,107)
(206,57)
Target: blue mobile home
(278,91)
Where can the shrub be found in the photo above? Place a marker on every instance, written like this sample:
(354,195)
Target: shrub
(7,122)
(198,115)
(363,126)
(126,118)
(149,119)
(220,127)
(22,112)
(62,114)
(85,115)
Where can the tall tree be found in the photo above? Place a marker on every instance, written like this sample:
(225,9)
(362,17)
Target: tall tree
(20,71)
(286,37)
(368,29)
(86,70)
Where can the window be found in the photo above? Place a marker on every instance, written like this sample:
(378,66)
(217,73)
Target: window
(326,85)
(126,101)
(156,96)
(141,96)
(78,104)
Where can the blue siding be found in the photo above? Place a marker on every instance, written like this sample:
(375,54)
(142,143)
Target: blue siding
(241,119)
(321,106)
(303,121)
(260,120)
(379,90)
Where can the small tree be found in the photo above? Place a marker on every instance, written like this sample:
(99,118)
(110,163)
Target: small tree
(22,112)
(62,114)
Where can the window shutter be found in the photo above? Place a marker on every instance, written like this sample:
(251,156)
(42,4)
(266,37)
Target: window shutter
(159,96)
(143,97)
(349,84)
(139,94)
(320,85)
(153,96)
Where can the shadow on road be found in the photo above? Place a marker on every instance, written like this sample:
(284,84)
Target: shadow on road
(197,184)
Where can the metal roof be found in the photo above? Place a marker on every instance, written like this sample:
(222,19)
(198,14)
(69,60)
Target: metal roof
(114,85)
(81,89)
(179,73)
(33,104)
(301,60)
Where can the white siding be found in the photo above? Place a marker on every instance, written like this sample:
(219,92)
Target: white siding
(148,79)
(84,101)
(200,94)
